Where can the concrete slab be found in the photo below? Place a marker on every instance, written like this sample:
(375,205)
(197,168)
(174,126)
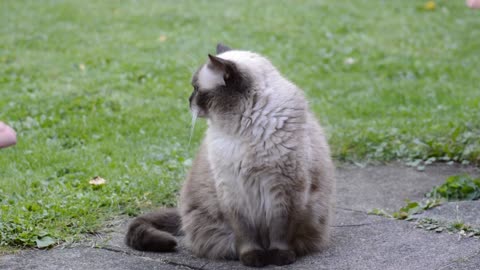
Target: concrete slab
(360,241)
(471,262)
(387,187)
(467,212)
(81,258)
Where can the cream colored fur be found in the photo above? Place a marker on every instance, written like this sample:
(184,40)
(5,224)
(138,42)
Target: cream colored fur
(264,158)
(262,185)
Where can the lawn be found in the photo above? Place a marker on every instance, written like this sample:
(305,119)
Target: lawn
(100,88)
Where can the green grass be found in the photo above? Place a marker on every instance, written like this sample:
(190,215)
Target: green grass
(92,90)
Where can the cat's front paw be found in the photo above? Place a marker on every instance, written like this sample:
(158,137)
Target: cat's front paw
(254,258)
(281,257)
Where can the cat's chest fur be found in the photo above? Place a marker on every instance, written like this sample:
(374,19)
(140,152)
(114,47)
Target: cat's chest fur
(262,146)
(231,159)
(245,171)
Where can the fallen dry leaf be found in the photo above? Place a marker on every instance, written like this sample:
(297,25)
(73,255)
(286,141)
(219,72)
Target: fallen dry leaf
(430,5)
(97,181)
(162,38)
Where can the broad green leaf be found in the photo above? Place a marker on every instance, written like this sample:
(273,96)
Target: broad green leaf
(45,242)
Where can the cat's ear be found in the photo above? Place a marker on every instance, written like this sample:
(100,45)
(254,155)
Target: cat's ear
(220,65)
(222,48)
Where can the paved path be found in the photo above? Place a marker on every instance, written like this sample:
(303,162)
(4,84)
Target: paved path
(360,241)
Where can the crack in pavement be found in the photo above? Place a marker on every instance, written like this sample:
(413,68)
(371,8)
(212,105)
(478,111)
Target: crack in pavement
(113,249)
(355,225)
(360,224)
(352,210)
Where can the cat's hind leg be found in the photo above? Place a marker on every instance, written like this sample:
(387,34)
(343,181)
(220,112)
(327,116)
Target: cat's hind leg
(311,234)
(251,251)
(208,236)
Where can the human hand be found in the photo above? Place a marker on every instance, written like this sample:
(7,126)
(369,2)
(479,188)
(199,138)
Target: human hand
(8,136)
(473,3)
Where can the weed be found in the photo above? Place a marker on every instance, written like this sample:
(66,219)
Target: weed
(457,188)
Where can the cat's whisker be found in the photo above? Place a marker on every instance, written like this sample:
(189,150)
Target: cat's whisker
(192,125)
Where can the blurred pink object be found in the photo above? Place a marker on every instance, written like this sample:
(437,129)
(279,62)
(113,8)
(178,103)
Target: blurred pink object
(473,3)
(8,136)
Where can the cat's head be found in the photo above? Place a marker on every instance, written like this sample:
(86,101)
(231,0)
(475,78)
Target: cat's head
(225,83)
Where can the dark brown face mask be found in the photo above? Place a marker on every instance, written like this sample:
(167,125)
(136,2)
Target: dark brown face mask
(222,98)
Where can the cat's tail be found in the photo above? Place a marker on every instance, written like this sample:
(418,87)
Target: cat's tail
(155,231)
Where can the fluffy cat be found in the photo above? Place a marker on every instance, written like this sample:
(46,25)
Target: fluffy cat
(261,188)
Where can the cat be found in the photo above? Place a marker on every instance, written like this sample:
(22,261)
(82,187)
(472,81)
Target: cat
(261,188)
